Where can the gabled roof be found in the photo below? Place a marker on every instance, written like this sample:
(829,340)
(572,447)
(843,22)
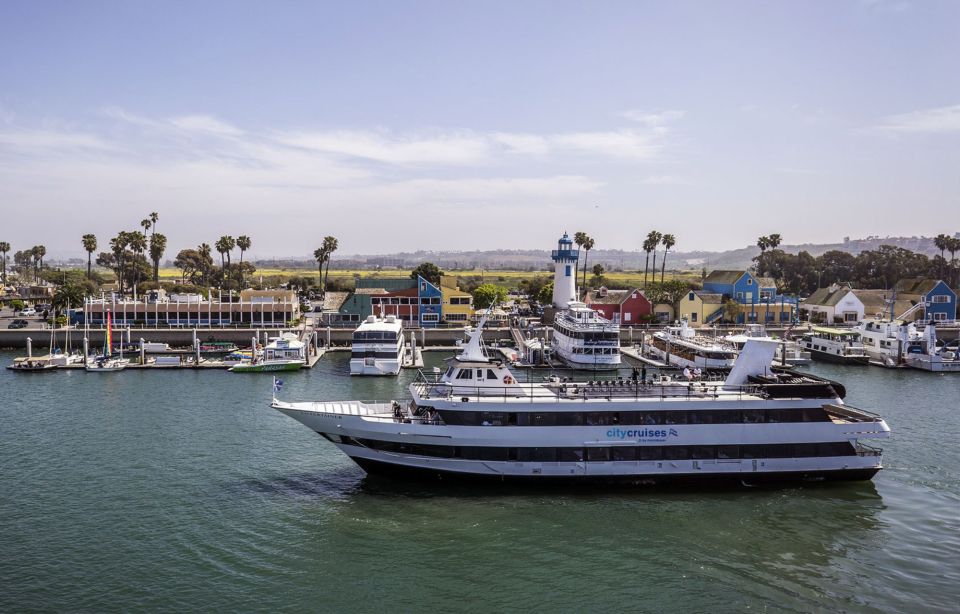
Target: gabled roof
(828,297)
(723,277)
(711,298)
(767,282)
(875,301)
(333,301)
(916,286)
(612,297)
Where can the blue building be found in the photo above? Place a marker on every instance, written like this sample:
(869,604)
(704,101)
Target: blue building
(431,303)
(758,296)
(940,302)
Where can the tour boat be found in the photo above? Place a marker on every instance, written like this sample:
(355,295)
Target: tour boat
(32,364)
(477,421)
(926,355)
(682,347)
(283,353)
(584,339)
(836,345)
(378,346)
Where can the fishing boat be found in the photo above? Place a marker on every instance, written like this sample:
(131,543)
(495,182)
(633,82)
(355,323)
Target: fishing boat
(377,347)
(106,362)
(836,345)
(477,421)
(927,354)
(284,353)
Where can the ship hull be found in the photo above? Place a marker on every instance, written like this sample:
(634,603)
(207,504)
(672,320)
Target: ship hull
(839,359)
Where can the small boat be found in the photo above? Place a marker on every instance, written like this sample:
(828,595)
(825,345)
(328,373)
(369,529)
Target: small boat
(682,347)
(836,345)
(283,353)
(32,364)
(926,355)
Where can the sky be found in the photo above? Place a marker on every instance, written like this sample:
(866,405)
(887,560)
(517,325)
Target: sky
(404,126)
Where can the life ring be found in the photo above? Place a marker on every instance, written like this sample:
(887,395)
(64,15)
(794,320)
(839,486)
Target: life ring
(507,379)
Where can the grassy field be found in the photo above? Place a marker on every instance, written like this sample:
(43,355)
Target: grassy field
(504,278)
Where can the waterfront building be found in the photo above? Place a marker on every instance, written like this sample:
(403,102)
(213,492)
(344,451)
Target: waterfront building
(835,304)
(700,307)
(431,303)
(758,296)
(565,272)
(940,302)
(254,308)
(624,307)
(457,304)
(417,303)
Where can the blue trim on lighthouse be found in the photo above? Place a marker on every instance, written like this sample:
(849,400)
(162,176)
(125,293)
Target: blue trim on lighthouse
(565,251)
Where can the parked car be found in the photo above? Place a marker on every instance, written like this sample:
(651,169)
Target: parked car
(17,324)
(29,311)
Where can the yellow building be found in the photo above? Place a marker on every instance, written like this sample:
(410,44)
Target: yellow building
(701,308)
(457,304)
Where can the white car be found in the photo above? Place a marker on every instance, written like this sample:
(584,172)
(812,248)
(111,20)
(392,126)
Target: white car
(29,311)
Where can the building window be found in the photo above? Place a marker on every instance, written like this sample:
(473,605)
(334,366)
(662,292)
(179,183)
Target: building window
(455,317)
(567,271)
(749,281)
(693,317)
(940,298)
(431,317)
(626,317)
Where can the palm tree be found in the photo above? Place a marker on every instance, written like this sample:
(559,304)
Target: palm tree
(153,221)
(773,241)
(321,255)
(647,247)
(579,238)
(330,244)
(587,246)
(89,244)
(158,244)
(38,252)
(138,245)
(668,242)
(953,246)
(763,243)
(205,252)
(4,248)
(145,224)
(225,245)
(118,245)
(654,238)
(942,241)
(244,243)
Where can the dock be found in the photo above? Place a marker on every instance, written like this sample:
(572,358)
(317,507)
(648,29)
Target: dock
(635,354)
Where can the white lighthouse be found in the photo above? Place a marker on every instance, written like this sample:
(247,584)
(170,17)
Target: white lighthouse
(565,272)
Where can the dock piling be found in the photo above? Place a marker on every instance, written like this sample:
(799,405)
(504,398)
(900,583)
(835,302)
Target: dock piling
(29,347)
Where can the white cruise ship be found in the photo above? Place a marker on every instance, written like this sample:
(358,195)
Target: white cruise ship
(682,347)
(477,421)
(378,347)
(584,339)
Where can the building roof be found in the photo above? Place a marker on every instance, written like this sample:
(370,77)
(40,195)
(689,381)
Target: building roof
(709,297)
(767,282)
(333,301)
(723,277)
(875,301)
(607,297)
(369,291)
(916,286)
(828,297)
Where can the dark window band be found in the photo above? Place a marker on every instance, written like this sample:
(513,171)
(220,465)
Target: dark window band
(605,418)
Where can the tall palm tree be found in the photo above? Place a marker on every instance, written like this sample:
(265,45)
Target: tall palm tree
(158,244)
(330,244)
(668,242)
(138,245)
(654,237)
(118,245)
(89,244)
(587,246)
(774,241)
(225,245)
(145,223)
(953,246)
(321,255)
(39,251)
(244,243)
(4,248)
(763,243)
(206,252)
(579,238)
(647,247)
(153,221)
(942,241)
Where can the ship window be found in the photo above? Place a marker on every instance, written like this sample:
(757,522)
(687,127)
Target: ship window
(676,453)
(491,375)
(465,374)
(543,419)
(651,453)
(701,452)
(570,455)
(728,451)
(620,453)
(598,454)
(479,373)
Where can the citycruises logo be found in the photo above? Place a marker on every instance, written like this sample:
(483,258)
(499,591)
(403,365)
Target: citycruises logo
(643,434)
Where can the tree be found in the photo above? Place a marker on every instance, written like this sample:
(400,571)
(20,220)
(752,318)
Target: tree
(763,243)
(587,246)
(146,225)
(138,245)
(320,254)
(330,245)
(4,248)
(579,238)
(598,272)
(942,241)
(70,294)
(192,265)
(89,244)
(118,247)
(158,245)
(428,271)
(953,246)
(731,310)
(486,295)
(224,246)
(773,241)
(651,244)
(545,295)
(243,243)
(668,242)
(647,247)
(207,255)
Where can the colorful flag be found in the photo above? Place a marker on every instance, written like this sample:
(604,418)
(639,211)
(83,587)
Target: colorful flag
(277,384)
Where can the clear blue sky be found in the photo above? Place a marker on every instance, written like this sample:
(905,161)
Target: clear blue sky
(446,125)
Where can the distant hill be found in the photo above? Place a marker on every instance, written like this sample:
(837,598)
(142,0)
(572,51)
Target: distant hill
(611,259)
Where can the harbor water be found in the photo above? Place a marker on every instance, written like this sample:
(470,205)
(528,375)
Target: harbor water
(183,490)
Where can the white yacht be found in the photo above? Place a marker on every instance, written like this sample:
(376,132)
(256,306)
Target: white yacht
(477,421)
(378,346)
(789,353)
(836,345)
(885,342)
(682,347)
(925,354)
(584,339)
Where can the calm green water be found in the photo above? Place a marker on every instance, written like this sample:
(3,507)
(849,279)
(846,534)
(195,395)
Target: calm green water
(183,490)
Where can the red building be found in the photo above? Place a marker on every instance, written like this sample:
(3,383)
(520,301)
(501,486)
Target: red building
(625,307)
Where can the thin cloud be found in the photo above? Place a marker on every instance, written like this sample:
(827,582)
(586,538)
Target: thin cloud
(938,120)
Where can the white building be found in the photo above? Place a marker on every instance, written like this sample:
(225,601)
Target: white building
(837,304)
(565,272)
